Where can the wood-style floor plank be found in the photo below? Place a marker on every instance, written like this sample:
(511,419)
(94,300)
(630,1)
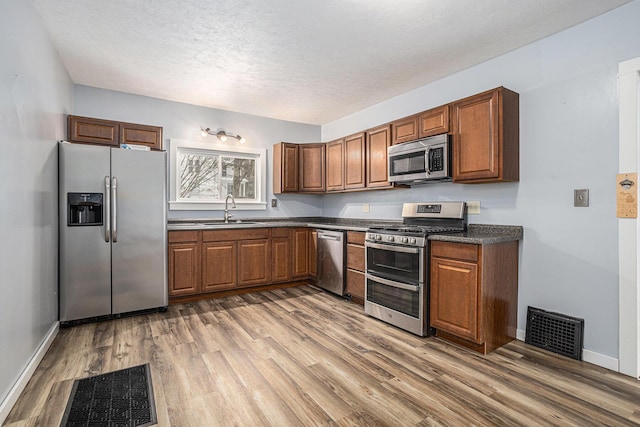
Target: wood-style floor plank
(303,357)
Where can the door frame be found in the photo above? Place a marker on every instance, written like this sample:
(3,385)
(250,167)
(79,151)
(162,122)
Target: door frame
(628,233)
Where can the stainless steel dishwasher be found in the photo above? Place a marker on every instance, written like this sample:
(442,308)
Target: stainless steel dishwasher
(331,261)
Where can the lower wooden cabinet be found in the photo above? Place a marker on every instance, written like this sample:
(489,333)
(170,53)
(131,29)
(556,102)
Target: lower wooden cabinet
(218,260)
(254,262)
(474,293)
(184,263)
(219,266)
(300,252)
(355,266)
(313,253)
(281,255)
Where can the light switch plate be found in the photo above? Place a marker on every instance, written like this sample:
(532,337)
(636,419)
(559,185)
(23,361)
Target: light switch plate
(365,207)
(274,203)
(581,198)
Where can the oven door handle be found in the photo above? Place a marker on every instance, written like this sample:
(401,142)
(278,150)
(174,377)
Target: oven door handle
(392,248)
(391,283)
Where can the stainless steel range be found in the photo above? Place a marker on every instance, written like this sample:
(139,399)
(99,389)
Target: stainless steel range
(396,260)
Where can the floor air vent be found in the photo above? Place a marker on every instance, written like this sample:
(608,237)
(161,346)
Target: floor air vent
(555,332)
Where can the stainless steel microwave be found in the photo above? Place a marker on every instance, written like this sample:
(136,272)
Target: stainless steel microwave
(420,161)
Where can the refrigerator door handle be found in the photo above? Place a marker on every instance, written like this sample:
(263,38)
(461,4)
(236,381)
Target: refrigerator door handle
(114,225)
(107,209)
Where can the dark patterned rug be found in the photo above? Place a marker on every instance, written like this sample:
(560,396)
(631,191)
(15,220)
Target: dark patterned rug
(116,399)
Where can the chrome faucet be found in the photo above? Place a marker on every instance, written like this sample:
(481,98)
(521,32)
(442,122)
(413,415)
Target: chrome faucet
(227,215)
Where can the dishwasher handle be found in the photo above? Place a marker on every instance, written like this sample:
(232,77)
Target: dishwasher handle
(329,236)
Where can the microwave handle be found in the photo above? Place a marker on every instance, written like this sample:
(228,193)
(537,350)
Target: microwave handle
(427,160)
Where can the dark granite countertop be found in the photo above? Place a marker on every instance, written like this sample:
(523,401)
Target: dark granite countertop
(481,234)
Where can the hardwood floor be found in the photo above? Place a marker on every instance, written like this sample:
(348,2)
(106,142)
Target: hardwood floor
(302,357)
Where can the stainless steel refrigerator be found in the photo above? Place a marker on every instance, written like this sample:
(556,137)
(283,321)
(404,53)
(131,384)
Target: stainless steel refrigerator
(113,236)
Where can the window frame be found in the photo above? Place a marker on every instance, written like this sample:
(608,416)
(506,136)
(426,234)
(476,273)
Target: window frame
(259,203)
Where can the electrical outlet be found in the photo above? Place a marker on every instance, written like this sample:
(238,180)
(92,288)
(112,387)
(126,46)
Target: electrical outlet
(274,203)
(473,208)
(365,207)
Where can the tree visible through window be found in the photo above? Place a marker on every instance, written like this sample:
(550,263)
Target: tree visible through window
(212,175)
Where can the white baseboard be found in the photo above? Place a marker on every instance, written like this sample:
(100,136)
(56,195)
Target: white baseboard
(7,404)
(588,356)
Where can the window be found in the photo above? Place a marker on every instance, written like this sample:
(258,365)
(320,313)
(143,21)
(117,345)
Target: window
(204,173)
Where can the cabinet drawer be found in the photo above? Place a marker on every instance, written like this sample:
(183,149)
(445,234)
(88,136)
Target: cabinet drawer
(235,234)
(355,257)
(183,236)
(355,237)
(280,232)
(463,251)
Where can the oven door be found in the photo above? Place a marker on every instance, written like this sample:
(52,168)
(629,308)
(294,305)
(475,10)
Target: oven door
(404,264)
(399,304)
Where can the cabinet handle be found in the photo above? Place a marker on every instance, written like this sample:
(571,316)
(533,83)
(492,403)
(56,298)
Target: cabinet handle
(114,193)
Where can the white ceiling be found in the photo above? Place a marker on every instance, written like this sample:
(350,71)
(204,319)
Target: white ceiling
(310,61)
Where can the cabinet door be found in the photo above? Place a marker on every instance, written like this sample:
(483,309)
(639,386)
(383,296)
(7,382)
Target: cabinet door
(354,161)
(312,168)
(355,285)
(254,262)
(313,252)
(151,136)
(300,252)
(219,266)
(285,168)
(404,130)
(455,298)
(184,268)
(281,259)
(335,165)
(92,131)
(378,141)
(434,121)
(486,137)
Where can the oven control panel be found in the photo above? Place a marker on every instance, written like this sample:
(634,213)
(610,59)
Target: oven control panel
(395,239)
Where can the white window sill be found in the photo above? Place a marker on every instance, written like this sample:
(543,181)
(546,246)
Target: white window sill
(215,206)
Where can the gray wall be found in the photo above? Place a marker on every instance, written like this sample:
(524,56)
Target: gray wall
(35,94)
(183,121)
(568,140)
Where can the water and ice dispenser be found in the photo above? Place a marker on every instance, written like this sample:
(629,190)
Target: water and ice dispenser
(84,209)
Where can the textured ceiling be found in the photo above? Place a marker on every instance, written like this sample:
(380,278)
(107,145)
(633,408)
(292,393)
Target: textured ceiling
(310,61)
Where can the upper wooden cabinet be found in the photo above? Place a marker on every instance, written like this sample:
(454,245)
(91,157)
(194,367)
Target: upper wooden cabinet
(354,161)
(285,168)
(378,141)
(335,165)
(405,129)
(89,130)
(434,122)
(428,123)
(486,137)
(311,168)
(150,136)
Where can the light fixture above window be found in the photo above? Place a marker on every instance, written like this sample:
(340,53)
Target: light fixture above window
(222,135)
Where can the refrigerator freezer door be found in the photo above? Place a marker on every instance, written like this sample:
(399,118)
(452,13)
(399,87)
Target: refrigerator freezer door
(139,253)
(85,257)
